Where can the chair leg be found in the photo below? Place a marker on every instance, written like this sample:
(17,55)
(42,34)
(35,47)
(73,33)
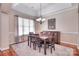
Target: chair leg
(30,44)
(47,46)
(54,47)
(35,46)
(51,49)
(39,49)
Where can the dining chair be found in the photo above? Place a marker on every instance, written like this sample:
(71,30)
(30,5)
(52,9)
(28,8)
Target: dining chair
(51,42)
(37,43)
(30,37)
(34,38)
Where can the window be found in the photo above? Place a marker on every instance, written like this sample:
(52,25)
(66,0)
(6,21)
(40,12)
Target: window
(25,26)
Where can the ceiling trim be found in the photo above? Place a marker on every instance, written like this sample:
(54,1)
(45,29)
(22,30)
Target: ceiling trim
(61,11)
(23,9)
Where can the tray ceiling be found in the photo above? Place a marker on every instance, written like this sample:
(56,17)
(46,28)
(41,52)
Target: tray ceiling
(33,9)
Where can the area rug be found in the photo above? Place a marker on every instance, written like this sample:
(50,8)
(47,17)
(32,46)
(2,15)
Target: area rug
(22,49)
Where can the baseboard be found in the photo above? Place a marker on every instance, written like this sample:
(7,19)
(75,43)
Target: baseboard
(69,43)
(2,49)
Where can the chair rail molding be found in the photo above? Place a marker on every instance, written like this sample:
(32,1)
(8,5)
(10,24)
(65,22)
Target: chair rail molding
(76,33)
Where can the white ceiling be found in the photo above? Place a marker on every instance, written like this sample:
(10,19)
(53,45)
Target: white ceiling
(36,6)
(33,9)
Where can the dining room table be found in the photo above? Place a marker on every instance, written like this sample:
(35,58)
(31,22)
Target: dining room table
(44,38)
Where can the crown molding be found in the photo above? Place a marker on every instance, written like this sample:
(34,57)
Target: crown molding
(61,11)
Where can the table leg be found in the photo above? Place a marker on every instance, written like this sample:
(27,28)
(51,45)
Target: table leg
(28,40)
(45,47)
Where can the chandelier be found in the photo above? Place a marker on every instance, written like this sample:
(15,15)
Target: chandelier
(41,19)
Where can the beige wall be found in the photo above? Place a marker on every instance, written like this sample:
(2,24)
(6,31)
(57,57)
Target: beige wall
(66,23)
(7,25)
(69,38)
(4,32)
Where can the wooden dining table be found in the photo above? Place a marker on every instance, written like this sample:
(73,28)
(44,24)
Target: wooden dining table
(44,38)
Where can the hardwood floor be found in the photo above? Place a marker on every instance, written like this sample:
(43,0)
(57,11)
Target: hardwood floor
(11,52)
(8,52)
